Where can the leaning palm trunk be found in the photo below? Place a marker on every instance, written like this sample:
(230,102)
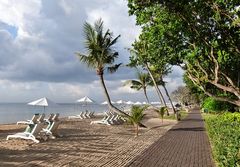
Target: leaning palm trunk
(108,98)
(156,87)
(145,93)
(170,100)
(112,107)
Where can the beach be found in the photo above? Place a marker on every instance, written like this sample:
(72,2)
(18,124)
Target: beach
(81,144)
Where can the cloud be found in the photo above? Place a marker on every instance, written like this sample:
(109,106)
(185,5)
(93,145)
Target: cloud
(38,40)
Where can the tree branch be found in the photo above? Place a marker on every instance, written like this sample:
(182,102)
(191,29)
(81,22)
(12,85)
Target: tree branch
(197,83)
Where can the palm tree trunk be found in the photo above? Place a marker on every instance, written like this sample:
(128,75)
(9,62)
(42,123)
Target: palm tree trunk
(136,129)
(112,107)
(170,100)
(161,98)
(145,93)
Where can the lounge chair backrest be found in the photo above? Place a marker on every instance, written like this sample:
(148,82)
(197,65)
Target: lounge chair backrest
(37,128)
(54,126)
(50,117)
(41,118)
(35,118)
(55,117)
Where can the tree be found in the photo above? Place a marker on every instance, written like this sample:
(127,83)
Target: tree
(205,36)
(100,54)
(140,56)
(183,95)
(158,73)
(141,82)
(136,116)
(161,112)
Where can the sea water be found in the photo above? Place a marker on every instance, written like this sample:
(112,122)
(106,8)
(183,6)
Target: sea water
(13,112)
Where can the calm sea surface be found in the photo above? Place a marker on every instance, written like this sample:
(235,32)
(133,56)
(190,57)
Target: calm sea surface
(13,112)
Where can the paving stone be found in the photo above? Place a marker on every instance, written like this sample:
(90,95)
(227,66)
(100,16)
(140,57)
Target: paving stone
(186,144)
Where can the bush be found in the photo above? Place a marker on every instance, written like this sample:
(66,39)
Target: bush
(213,105)
(224,133)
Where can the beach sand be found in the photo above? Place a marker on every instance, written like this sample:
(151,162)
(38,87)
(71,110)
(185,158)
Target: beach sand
(82,144)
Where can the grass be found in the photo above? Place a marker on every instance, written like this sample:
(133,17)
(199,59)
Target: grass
(224,134)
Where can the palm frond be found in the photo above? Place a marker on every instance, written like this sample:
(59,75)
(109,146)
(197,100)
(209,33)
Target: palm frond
(137,114)
(86,59)
(113,68)
(99,47)
(114,40)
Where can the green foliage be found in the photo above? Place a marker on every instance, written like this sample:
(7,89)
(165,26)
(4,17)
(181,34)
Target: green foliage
(216,106)
(204,36)
(141,82)
(99,45)
(161,111)
(224,133)
(136,114)
(173,117)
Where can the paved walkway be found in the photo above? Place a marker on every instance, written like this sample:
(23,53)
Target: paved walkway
(186,144)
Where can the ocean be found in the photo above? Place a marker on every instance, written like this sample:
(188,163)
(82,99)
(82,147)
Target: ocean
(13,112)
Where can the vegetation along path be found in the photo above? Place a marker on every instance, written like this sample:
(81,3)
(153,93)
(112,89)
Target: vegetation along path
(186,144)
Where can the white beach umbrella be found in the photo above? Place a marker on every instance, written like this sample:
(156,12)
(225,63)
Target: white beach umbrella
(85,100)
(120,102)
(42,102)
(104,103)
(155,102)
(137,103)
(129,102)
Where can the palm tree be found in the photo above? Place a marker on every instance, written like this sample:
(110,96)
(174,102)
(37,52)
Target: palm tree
(100,54)
(161,112)
(142,53)
(159,81)
(136,116)
(141,82)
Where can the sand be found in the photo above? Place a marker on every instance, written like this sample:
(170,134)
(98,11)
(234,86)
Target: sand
(82,144)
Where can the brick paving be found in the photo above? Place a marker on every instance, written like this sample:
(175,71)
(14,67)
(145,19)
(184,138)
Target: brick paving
(185,145)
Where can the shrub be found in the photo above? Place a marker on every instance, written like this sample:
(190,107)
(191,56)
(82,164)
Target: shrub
(224,133)
(217,106)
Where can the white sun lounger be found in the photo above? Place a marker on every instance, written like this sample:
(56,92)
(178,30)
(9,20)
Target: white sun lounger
(32,135)
(41,118)
(52,128)
(109,119)
(47,120)
(34,119)
(80,116)
(105,120)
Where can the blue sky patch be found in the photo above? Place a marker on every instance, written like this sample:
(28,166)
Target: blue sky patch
(11,29)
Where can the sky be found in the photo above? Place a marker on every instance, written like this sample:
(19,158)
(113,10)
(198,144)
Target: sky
(38,39)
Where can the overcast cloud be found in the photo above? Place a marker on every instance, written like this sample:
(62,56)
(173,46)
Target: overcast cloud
(38,39)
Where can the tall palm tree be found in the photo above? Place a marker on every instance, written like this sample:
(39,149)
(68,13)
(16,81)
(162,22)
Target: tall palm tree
(141,82)
(100,54)
(142,54)
(159,81)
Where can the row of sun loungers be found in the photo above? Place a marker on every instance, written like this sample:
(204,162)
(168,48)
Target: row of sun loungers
(39,128)
(110,119)
(83,115)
